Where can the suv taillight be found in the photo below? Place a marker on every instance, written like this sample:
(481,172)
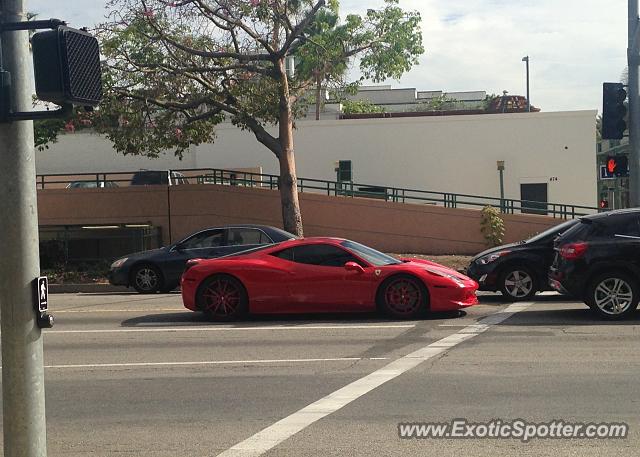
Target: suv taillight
(573,251)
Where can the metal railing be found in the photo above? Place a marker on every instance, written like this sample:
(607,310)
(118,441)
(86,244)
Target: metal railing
(332,188)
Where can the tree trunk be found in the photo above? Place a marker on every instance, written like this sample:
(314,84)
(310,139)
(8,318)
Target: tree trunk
(291,216)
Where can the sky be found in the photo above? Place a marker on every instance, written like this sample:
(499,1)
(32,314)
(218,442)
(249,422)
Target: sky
(573,45)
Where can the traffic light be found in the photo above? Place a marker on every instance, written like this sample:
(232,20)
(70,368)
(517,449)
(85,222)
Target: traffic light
(613,111)
(67,67)
(618,166)
(604,204)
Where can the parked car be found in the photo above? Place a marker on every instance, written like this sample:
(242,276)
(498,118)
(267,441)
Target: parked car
(322,275)
(91,184)
(598,261)
(160,269)
(518,270)
(158,177)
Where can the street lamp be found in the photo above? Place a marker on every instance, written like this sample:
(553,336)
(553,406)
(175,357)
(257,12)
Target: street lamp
(526,59)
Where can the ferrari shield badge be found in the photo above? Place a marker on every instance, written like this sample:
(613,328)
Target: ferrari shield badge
(377,272)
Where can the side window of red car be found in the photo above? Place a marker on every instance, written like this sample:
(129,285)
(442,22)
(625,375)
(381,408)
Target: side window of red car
(325,255)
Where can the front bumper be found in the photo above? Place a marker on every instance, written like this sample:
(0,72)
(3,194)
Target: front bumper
(188,289)
(484,275)
(119,277)
(451,299)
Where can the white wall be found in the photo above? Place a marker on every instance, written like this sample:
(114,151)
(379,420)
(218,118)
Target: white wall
(85,152)
(455,154)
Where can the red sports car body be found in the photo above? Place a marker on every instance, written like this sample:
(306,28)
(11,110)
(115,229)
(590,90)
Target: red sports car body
(322,275)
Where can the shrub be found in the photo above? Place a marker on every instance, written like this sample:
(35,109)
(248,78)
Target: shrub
(492,226)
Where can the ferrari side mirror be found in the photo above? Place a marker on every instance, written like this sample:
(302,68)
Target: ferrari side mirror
(352,266)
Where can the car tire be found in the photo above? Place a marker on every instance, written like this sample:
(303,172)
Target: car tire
(518,283)
(146,279)
(606,291)
(403,297)
(222,298)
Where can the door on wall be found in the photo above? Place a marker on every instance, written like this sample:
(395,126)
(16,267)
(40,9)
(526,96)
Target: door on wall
(536,196)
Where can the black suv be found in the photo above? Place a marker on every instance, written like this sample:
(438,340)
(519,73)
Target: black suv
(158,177)
(598,261)
(518,270)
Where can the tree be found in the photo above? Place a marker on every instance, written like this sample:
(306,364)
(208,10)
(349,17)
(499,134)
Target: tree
(315,60)
(176,69)
(440,103)
(364,106)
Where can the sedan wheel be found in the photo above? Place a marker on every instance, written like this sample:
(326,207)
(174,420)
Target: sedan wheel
(613,295)
(402,297)
(518,284)
(146,279)
(222,298)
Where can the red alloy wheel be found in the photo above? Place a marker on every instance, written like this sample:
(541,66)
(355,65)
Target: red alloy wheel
(221,298)
(403,296)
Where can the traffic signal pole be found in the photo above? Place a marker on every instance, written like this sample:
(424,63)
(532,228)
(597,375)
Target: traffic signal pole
(23,399)
(633,58)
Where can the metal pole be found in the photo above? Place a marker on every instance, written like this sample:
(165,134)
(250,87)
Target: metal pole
(500,164)
(526,59)
(24,425)
(633,57)
(502,189)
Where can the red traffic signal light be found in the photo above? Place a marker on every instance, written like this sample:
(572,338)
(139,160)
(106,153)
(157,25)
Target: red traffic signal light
(604,204)
(618,166)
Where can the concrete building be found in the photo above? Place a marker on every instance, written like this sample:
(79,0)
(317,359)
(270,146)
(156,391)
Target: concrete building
(411,99)
(547,156)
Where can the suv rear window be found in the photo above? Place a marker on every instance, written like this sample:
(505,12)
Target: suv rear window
(606,227)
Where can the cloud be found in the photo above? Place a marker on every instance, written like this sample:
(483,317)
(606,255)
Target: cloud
(574,46)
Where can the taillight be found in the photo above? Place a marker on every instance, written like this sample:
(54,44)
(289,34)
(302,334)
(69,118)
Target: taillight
(573,251)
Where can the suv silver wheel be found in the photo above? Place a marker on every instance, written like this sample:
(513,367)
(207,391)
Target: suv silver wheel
(613,296)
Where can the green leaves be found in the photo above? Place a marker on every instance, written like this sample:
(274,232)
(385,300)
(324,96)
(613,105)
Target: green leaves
(492,226)
(174,70)
(360,107)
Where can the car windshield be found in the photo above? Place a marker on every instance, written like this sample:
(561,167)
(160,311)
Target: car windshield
(553,231)
(375,258)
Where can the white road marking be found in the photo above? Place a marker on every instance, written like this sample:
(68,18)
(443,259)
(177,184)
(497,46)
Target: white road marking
(205,362)
(230,329)
(275,434)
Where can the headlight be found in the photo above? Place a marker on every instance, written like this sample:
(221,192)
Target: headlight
(491,257)
(118,263)
(442,274)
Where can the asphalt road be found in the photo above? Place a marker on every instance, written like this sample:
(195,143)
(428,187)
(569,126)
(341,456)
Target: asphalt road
(130,375)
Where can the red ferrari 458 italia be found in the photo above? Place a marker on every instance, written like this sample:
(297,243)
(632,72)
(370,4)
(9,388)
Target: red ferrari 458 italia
(322,275)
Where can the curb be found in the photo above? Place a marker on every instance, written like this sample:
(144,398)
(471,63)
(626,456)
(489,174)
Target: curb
(87,289)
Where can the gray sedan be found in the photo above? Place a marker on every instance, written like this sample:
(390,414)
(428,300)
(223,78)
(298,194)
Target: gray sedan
(159,270)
